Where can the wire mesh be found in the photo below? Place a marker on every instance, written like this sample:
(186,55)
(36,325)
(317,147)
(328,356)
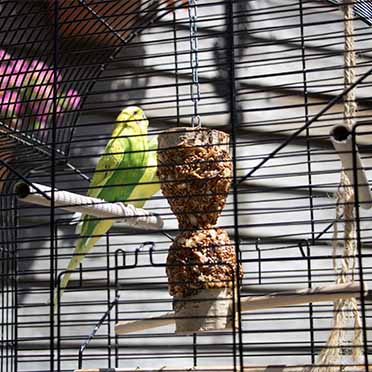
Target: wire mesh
(271,75)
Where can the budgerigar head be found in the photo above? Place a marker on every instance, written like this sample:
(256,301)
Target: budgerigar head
(132,116)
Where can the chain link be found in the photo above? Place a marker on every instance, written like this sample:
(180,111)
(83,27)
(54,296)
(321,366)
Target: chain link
(194,62)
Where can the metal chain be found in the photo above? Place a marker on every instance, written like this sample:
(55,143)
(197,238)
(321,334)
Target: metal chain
(194,62)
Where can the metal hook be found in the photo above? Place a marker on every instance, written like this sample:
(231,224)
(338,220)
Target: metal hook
(196,121)
(123,254)
(259,260)
(300,246)
(151,253)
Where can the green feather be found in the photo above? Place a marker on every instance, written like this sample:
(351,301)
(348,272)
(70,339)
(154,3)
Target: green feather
(149,183)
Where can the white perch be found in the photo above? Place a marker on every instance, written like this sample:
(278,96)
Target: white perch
(268,368)
(126,213)
(327,293)
(342,142)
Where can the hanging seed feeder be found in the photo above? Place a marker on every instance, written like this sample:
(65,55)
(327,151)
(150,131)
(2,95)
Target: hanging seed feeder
(195,171)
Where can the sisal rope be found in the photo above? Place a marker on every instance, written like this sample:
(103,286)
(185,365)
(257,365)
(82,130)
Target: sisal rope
(344,310)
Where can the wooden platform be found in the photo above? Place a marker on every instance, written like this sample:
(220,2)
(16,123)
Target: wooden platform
(269,368)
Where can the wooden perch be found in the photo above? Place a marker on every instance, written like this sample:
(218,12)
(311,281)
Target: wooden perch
(280,299)
(268,368)
(342,141)
(41,195)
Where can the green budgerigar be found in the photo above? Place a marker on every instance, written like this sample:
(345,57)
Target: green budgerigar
(126,172)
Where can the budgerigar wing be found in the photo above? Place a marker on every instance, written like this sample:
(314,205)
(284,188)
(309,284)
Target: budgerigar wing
(108,163)
(149,183)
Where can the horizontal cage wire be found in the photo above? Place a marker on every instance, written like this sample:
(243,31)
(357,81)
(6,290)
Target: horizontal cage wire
(131,241)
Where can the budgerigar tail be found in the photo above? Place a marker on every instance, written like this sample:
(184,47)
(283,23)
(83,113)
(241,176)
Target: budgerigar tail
(73,265)
(84,245)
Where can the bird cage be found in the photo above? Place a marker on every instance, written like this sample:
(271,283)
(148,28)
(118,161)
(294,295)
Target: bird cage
(247,249)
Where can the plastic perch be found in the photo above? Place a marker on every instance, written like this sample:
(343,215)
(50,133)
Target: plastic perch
(342,142)
(327,293)
(41,195)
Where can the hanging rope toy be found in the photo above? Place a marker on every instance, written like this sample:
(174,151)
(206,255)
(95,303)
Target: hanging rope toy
(344,310)
(194,63)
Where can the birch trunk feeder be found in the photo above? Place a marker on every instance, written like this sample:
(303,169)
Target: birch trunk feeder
(195,171)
